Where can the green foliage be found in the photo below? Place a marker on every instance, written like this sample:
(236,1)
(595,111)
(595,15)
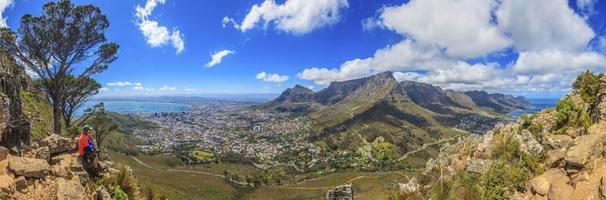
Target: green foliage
(119,194)
(100,122)
(571,115)
(383,150)
(39,113)
(588,86)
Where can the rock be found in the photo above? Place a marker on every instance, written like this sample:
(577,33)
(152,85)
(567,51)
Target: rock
(43,153)
(558,142)
(478,165)
(29,167)
(560,191)
(69,190)
(410,187)
(7,184)
(343,192)
(576,132)
(539,197)
(3,153)
(603,186)
(542,183)
(581,191)
(58,144)
(528,143)
(21,183)
(578,177)
(553,158)
(586,146)
(102,194)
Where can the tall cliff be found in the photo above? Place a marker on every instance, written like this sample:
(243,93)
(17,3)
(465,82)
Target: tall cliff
(14,128)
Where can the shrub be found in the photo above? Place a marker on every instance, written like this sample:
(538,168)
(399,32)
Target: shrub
(588,86)
(569,114)
(119,194)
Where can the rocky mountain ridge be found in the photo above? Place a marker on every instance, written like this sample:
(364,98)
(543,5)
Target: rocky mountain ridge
(555,154)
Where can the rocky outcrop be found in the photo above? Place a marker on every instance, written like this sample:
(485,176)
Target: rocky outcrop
(586,146)
(14,129)
(70,190)
(58,144)
(343,192)
(29,167)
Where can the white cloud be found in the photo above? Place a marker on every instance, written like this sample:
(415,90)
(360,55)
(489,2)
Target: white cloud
(293,16)
(553,61)
(190,89)
(157,35)
(541,25)
(3,5)
(119,84)
(217,57)
(463,28)
(104,89)
(440,38)
(269,77)
(167,88)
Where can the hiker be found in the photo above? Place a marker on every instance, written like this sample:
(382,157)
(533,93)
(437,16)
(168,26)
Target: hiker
(88,149)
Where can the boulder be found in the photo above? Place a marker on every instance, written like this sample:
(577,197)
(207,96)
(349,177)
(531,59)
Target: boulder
(576,132)
(478,165)
(560,191)
(553,158)
(102,194)
(528,143)
(586,146)
(42,153)
(70,190)
(58,144)
(29,167)
(542,183)
(21,183)
(558,142)
(582,191)
(7,184)
(539,197)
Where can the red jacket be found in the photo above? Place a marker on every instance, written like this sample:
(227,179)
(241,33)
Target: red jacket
(83,142)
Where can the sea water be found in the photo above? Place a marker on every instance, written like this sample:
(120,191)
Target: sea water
(538,105)
(136,106)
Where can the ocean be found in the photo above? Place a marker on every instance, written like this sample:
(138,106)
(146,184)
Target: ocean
(539,104)
(136,106)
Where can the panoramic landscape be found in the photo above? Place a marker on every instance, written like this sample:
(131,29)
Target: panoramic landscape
(303,99)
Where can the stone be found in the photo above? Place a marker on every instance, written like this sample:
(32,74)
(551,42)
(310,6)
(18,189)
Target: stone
(29,167)
(553,158)
(478,165)
(43,153)
(7,183)
(343,192)
(586,146)
(21,183)
(576,132)
(578,177)
(58,144)
(560,191)
(539,197)
(581,191)
(3,153)
(558,142)
(70,190)
(528,143)
(102,193)
(542,183)
(410,187)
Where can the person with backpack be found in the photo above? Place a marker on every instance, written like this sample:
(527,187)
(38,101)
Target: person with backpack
(88,150)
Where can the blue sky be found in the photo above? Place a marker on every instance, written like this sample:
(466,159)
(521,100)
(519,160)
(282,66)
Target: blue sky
(315,42)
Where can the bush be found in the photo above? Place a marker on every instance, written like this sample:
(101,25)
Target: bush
(588,86)
(119,194)
(571,115)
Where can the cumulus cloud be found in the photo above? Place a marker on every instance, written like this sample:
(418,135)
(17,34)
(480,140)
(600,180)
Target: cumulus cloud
(463,28)
(271,77)
(3,5)
(445,42)
(167,88)
(539,25)
(156,34)
(293,16)
(217,57)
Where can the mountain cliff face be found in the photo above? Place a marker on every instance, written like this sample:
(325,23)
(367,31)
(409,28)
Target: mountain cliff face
(500,103)
(14,128)
(408,114)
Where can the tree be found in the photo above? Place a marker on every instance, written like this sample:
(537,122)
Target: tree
(101,123)
(77,91)
(64,40)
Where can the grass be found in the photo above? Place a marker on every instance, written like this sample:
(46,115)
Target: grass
(39,113)
(173,185)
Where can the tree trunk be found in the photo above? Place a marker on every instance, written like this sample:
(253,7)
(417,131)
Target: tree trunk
(57,115)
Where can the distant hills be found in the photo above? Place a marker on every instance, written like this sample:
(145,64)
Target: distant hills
(351,113)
